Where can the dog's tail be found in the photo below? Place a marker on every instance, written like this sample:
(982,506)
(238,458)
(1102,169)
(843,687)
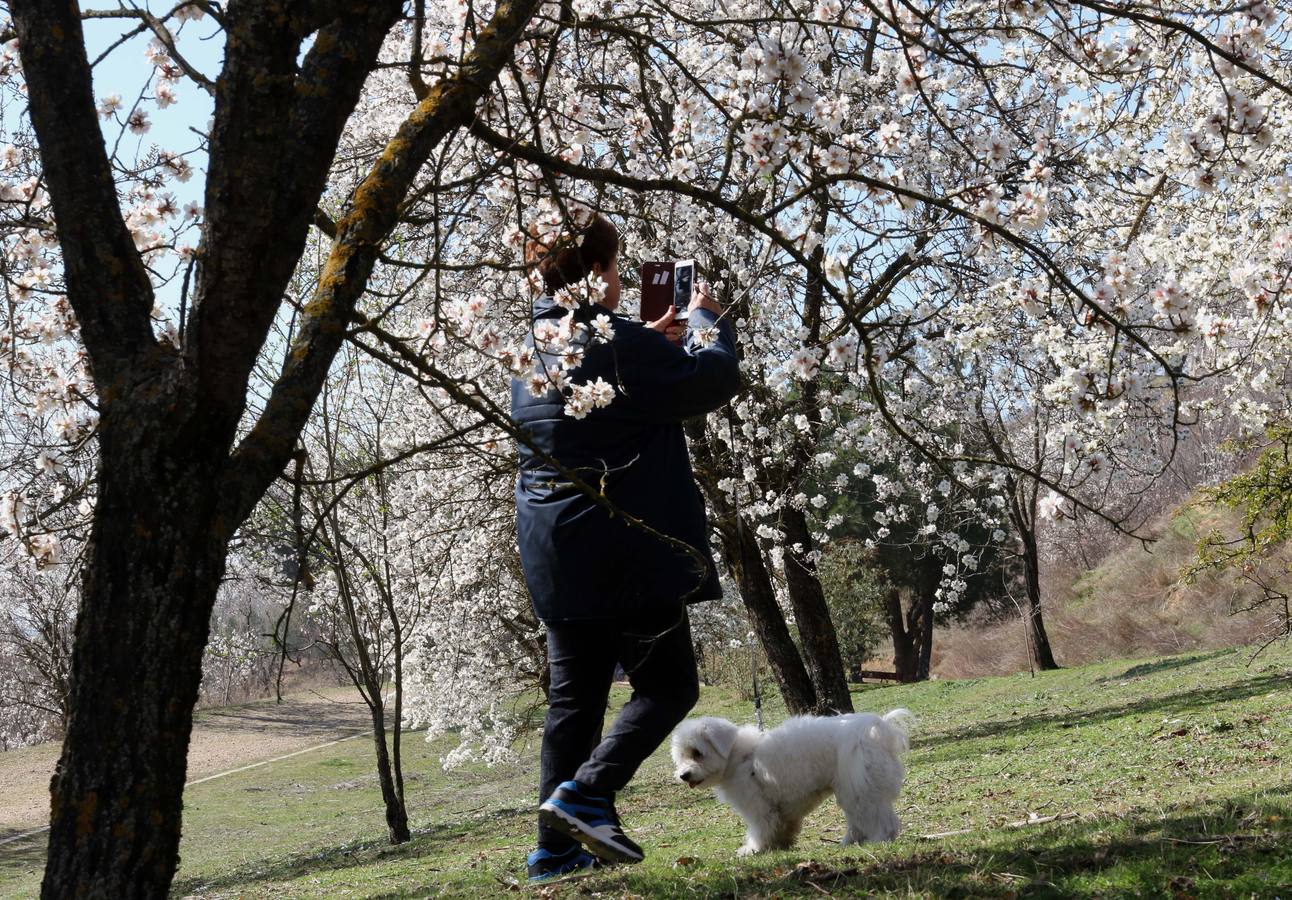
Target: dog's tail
(890,732)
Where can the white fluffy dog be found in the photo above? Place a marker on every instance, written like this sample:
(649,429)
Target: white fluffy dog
(774,780)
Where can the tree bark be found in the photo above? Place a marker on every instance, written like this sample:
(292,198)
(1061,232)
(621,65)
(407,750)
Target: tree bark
(392,793)
(903,640)
(919,619)
(924,654)
(1038,639)
(817,635)
(170,492)
(745,561)
(156,557)
(912,629)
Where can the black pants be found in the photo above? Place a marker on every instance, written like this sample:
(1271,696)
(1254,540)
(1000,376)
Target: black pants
(581,658)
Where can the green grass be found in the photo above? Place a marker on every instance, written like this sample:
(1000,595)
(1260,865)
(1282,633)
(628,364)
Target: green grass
(1171,776)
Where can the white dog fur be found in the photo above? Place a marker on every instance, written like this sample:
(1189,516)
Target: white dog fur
(773,780)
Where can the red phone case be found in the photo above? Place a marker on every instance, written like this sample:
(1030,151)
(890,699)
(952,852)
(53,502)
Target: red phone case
(657,289)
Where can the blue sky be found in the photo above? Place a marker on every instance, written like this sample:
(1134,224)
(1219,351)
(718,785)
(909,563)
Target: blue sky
(126,71)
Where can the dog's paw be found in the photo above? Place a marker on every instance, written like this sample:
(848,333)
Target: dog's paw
(747,850)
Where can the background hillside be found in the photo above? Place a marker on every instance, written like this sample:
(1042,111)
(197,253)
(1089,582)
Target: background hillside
(1133,601)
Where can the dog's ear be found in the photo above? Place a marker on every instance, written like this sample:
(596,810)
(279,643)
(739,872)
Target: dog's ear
(720,735)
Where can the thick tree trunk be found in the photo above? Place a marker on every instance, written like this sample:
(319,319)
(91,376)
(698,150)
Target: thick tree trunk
(167,505)
(924,654)
(392,793)
(1037,639)
(903,640)
(817,635)
(745,559)
(156,557)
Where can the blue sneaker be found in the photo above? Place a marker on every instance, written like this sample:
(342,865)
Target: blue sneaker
(544,865)
(589,819)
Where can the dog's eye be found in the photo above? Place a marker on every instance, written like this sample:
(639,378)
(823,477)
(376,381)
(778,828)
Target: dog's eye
(697,754)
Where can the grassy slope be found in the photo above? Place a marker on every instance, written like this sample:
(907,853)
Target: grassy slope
(1174,772)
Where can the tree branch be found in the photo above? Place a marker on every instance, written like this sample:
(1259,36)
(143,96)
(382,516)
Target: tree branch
(275,134)
(107,283)
(372,215)
(1127,11)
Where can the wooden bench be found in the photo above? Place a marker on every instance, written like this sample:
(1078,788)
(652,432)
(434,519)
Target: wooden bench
(873,675)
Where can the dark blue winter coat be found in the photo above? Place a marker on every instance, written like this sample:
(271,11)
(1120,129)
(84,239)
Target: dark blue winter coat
(581,562)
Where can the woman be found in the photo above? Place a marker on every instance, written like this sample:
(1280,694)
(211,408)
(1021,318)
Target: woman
(608,590)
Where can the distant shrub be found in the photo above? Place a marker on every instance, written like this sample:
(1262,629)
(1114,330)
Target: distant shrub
(854,590)
(726,651)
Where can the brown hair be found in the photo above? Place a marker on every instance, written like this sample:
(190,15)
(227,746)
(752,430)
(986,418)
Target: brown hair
(563,261)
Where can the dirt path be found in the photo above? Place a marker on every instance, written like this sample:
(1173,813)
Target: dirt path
(223,739)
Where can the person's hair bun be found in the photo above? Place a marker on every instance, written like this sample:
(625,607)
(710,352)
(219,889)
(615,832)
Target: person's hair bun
(564,258)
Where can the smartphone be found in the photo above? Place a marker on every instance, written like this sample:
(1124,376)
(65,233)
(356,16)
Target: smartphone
(683,288)
(664,284)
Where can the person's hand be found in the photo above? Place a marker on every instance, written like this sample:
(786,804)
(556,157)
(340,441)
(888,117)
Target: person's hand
(666,326)
(702,299)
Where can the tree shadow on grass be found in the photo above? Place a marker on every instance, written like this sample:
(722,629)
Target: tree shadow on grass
(21,859)
(1165,665)
(1239,848)
(427,841)
(312,720)
(1180,702)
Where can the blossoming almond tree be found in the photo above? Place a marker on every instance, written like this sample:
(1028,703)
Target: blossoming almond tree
(995,141)
(176,475)
(366,605)
(733,133)
(849,147)
(36,615)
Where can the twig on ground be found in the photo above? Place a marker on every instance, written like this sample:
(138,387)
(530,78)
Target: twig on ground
(1032,819)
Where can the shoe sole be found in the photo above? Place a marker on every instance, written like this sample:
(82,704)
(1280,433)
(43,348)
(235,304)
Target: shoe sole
(555,817)
(581,872)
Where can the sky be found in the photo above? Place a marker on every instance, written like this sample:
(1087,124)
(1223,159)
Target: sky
(126,70)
